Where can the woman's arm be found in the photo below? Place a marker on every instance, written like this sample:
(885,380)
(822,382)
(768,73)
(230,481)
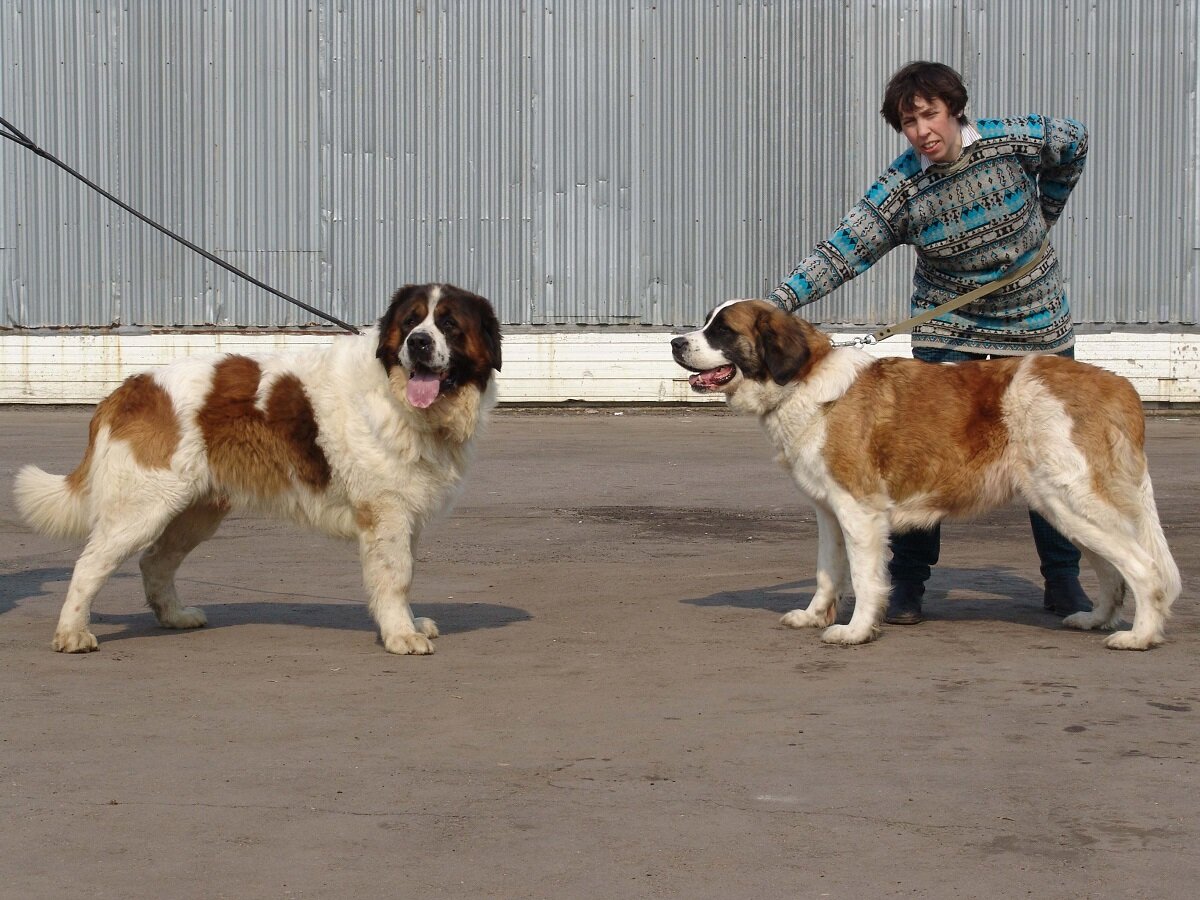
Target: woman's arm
(1064,154)
(874,225)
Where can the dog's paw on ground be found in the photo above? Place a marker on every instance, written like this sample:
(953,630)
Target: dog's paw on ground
(1128,640)
(75,641)
(847,634)
(804,618)
(408,644)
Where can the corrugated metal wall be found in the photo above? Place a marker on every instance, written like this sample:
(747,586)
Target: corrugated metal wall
(609,162)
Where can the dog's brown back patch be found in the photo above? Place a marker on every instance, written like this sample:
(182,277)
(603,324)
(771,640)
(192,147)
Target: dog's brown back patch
(140,413)
(908,428)
(255,451)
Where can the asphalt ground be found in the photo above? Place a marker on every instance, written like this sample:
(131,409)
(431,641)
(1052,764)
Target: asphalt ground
(613,709)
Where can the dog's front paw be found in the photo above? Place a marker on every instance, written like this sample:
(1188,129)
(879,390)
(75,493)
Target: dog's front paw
(74,641)
(408,644)
(427,627)
(806,618)
(187,617)
(847,634)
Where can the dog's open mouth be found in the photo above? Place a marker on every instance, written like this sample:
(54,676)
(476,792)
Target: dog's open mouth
(711,379)
(425,386)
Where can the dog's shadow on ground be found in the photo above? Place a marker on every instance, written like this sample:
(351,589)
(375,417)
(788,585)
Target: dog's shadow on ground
(32,585)
(952,595)
(284,608)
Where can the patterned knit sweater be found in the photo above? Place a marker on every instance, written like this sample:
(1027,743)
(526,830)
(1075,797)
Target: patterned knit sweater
(969,221)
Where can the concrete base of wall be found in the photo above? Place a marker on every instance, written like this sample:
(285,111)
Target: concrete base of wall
(598,366)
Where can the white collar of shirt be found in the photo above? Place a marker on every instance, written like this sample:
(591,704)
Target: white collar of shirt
(969,136)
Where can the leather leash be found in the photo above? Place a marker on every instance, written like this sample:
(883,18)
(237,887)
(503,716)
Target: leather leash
(950,305)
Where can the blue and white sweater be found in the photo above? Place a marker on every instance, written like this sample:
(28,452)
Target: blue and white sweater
(969,221)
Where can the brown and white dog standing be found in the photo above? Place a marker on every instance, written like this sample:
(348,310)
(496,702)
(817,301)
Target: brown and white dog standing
(881,445)
(367,438)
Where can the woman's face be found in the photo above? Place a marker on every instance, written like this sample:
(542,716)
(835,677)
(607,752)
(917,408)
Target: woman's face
(932,129)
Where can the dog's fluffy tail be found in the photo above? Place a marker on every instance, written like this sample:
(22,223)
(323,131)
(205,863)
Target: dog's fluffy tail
(49,504)
(1154,542)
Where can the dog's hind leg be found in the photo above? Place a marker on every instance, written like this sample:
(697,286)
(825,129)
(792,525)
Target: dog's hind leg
(832,568)
(1107,534)
(1152,604)
(112,541)
(866,533)
(1154,542)
(161,560)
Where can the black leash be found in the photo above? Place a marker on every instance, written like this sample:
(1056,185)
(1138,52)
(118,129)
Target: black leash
(13,134)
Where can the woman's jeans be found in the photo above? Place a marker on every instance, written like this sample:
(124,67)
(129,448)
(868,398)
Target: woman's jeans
(915,553)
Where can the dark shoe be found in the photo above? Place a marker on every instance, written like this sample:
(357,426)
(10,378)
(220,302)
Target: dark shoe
(1064,596)
(904,603)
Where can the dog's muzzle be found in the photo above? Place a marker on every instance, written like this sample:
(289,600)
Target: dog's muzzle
(703,381)
(420,347)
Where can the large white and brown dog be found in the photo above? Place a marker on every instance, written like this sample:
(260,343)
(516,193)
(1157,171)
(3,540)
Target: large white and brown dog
(367,438)
(879,445)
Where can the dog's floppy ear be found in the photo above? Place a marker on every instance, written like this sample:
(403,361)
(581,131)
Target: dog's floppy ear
(484,343)
(781,345)
(491,334)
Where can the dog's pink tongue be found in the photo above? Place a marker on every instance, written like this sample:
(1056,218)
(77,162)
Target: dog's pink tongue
(422,389)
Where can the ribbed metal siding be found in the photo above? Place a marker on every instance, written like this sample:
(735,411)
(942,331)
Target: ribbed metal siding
(203,117)
(603,162)
(1131,75)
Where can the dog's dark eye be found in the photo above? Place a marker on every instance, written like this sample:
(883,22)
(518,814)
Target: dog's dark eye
(719,328)
(447,324)
(410,321)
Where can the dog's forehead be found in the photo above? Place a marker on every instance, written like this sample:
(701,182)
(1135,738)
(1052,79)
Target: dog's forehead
(433,300)
(713,315)
(419,307)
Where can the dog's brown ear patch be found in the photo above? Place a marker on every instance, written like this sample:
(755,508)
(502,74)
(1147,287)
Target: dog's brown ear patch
(783,345)
(491,335)
(482,340)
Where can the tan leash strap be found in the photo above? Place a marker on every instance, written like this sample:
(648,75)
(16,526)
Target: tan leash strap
(1003,281)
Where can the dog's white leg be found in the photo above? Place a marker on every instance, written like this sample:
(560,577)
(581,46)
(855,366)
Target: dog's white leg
(1105,532)
(387,550)
(113,540)
(866,534)
(1149,598)
(161,560)
(831,575)
(1153,604)
(95,564)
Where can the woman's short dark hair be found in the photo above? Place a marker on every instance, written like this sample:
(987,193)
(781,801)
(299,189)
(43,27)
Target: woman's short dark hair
(929,80)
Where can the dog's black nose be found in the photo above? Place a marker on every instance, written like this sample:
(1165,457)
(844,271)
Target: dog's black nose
(420,344)
(677,344)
